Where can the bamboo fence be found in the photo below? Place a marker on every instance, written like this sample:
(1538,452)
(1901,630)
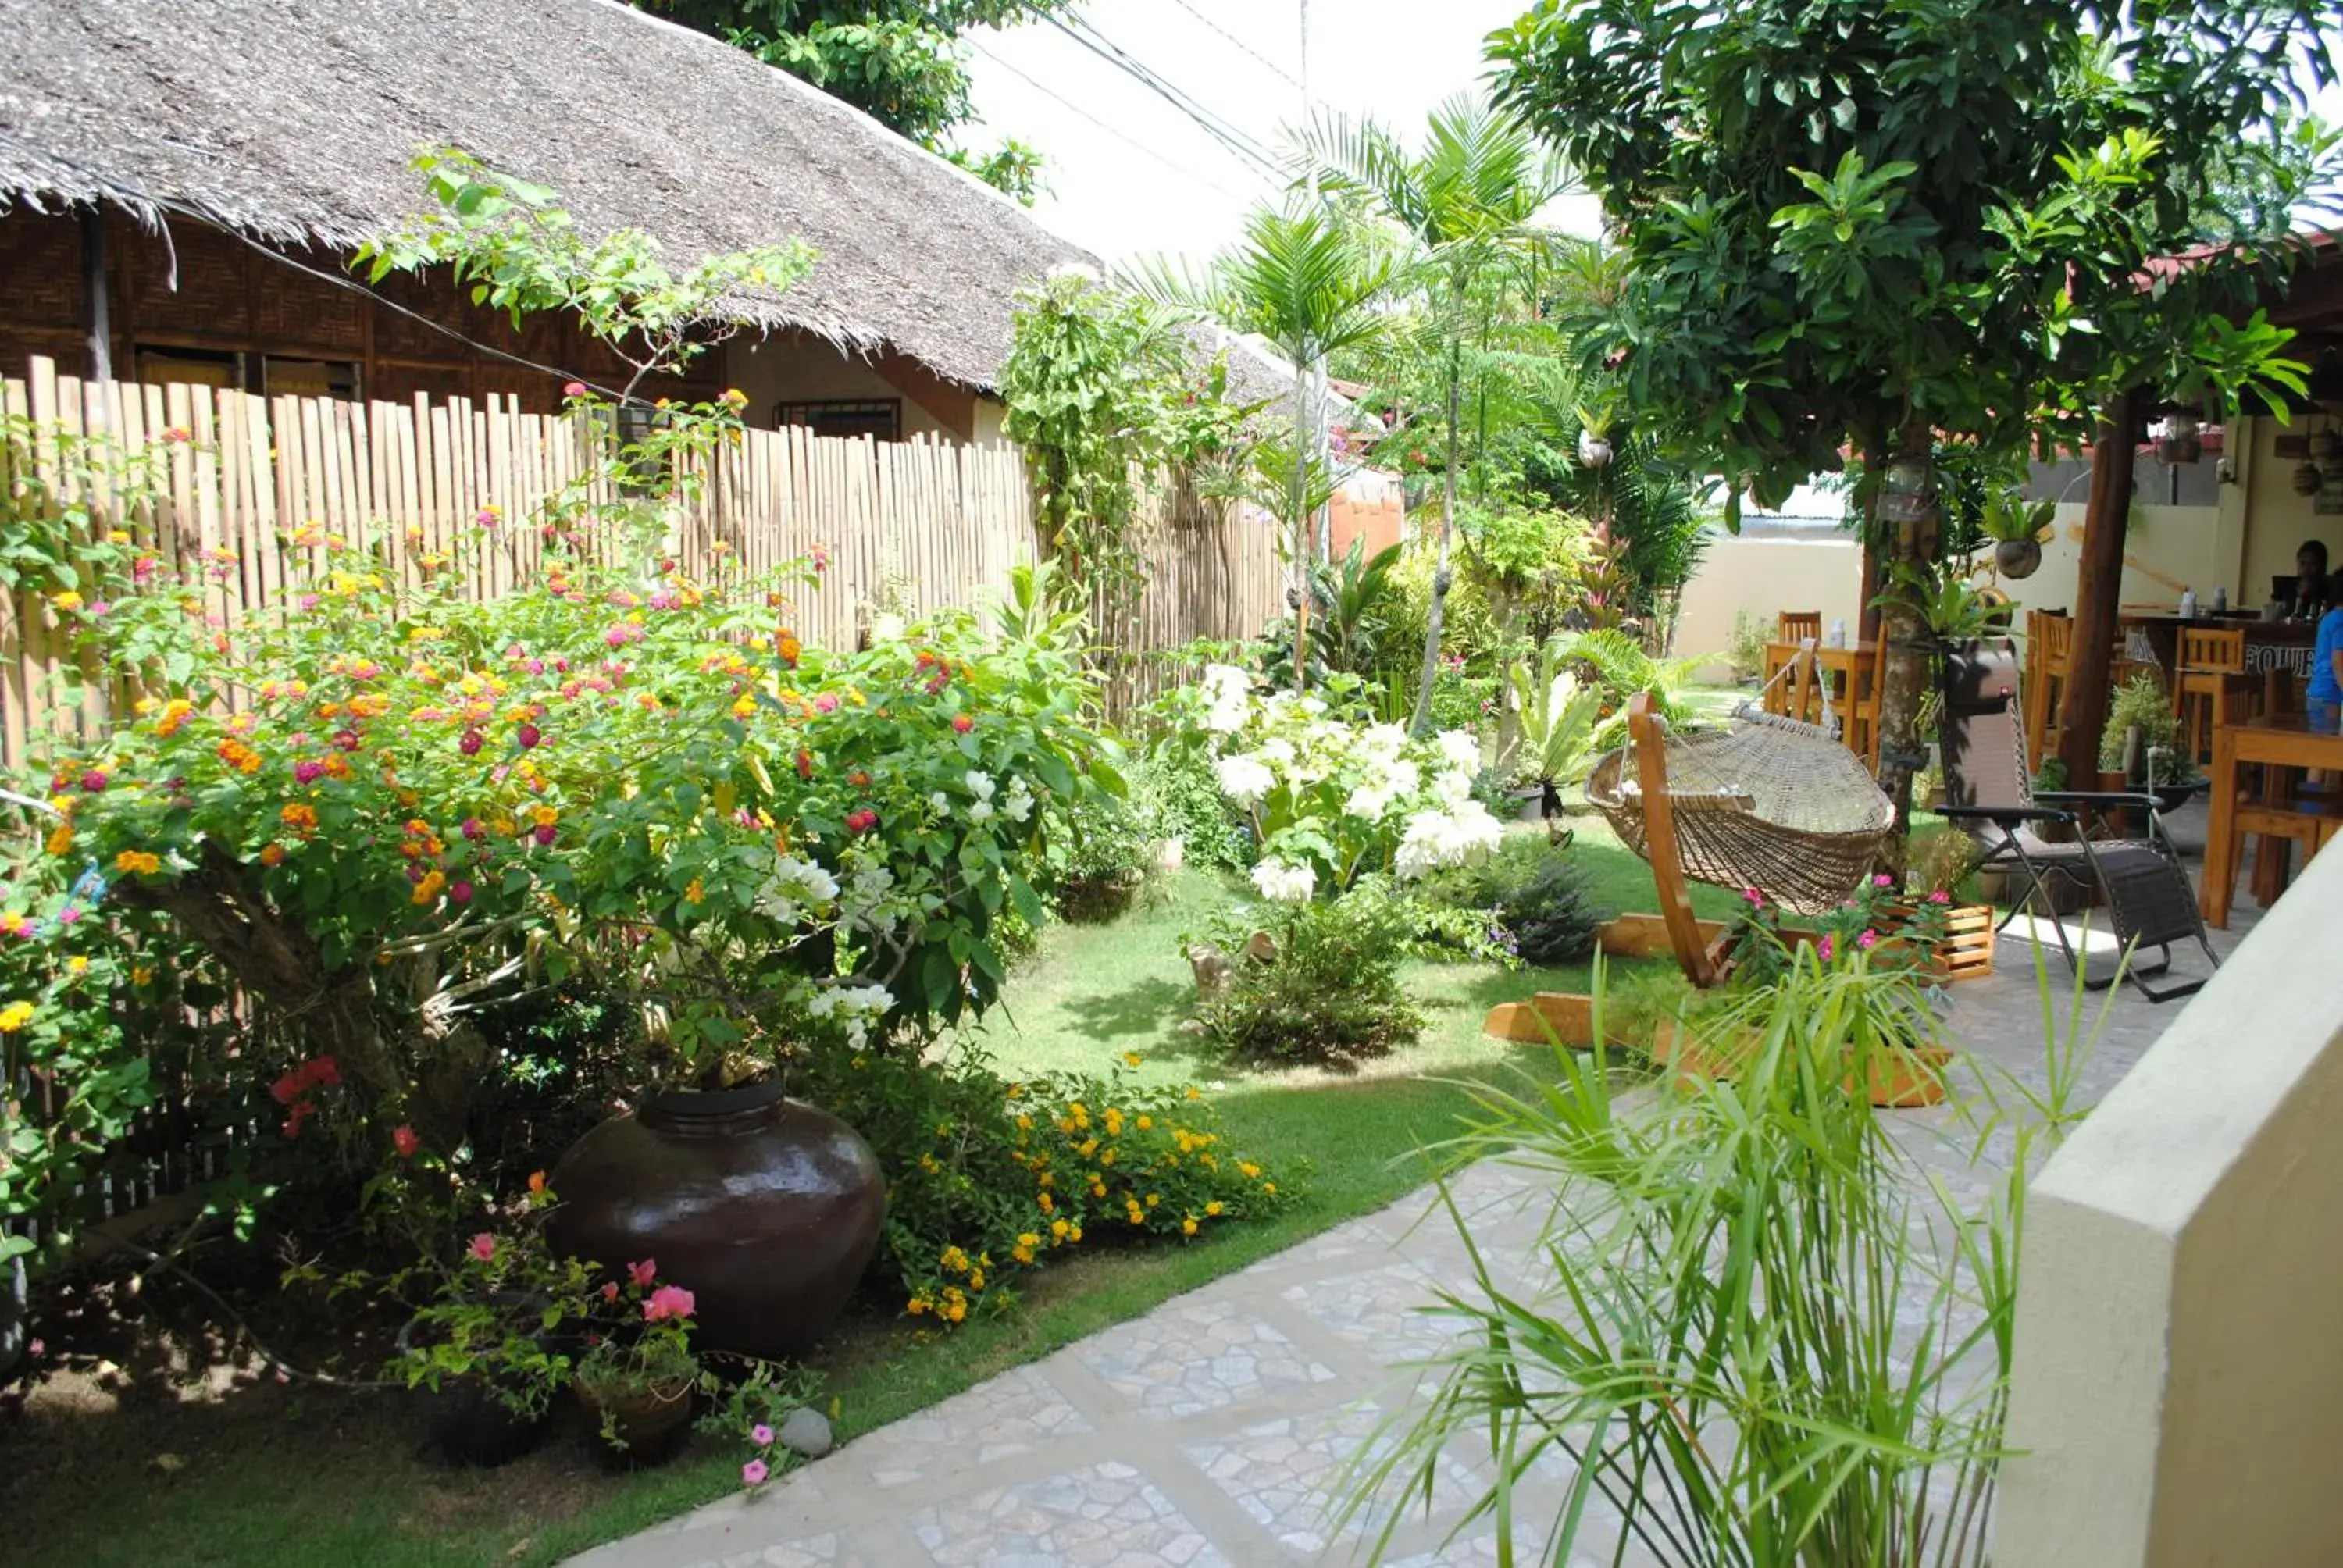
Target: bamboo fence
(257,484)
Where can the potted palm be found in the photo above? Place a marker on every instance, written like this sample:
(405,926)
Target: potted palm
(1558,719)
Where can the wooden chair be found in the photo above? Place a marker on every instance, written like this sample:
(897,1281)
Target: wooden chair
(2049,657)
(1797,625)
(2206,656)
(1862,708)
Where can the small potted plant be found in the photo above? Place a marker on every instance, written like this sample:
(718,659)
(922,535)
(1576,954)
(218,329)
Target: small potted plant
(2017,529)
(494,1347)
(637,1373)
(2140,721)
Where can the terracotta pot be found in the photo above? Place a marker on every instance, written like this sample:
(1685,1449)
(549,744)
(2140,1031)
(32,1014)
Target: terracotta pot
(1905,1079)
(765,1209)
(647,1423)
(2116,818)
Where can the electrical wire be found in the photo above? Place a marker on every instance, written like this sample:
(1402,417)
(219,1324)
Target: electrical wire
(1235,140)
(1279,71)
(1124,138)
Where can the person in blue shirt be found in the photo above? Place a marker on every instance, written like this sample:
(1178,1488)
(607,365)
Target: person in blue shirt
(2323,704)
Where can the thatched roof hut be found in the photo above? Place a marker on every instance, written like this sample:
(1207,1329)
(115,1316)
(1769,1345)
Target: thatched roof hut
(293,122)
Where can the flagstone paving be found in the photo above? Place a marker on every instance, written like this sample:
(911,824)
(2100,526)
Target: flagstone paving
(1207,1432)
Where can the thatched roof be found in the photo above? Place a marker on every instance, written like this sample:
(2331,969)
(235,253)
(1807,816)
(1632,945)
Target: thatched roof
(295,120)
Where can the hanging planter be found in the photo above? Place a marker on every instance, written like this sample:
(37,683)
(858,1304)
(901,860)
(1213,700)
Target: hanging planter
(2306,480)
(2017,559)
(1593,451)
(2179,438)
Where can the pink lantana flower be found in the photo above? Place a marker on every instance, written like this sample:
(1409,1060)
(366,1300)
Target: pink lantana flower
(1940,897)
(483,1247)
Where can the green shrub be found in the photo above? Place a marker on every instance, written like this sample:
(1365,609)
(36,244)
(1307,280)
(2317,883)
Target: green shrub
(1175,788)
(1105,857)
(986,1178)
(1533,896)
(1331,993)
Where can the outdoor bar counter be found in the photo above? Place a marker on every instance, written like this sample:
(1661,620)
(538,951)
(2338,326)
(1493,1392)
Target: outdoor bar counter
(2270,645)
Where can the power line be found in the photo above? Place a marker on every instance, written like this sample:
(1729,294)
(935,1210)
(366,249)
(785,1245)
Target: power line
(1121,136)
(1229,135)
(1275,69)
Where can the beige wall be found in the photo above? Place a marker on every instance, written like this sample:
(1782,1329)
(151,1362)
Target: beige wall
(1766,574)
(792,368)
(2177,1393)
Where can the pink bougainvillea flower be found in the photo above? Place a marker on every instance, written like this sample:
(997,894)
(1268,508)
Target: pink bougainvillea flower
(529,735)
(1883,880)
(644,1272)
(962,723)
(1940,897)
(668,1302)
(405,1140)
(754,1472)
(762,1435)
(483,1247)
(573,389)
(1868,939)
(610,1290)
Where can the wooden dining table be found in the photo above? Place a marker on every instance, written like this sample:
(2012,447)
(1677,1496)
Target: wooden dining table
(1841,663)
(2273,740)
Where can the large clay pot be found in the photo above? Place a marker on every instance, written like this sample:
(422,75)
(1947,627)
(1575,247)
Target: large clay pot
(765,1209)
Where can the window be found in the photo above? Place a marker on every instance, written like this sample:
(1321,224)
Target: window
(309,377)
(272,376)
(879,418)
(190,366)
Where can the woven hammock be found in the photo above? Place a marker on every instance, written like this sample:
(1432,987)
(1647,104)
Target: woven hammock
(1771,803)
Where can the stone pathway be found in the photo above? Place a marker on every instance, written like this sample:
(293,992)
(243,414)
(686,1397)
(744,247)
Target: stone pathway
(1206,1433)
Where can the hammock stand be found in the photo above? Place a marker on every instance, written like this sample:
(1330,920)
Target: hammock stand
(1772,804)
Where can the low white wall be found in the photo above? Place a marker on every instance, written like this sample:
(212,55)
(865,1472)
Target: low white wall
(2177,1393)
(1766,574)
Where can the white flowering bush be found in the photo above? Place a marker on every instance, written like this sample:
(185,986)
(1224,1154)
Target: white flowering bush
(1332,800)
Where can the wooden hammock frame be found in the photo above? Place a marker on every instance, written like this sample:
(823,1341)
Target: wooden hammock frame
(1705,963)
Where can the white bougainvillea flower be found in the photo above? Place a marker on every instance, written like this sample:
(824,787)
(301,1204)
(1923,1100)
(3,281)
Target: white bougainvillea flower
(1244,779)
(1285,881)
(1461,750)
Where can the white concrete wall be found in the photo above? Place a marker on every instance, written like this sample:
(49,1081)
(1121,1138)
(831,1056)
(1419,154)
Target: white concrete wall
(2177,1393)
(1766,574)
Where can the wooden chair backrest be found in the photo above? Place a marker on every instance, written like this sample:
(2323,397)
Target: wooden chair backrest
(2050,640)
(2210,651)
(1797,625)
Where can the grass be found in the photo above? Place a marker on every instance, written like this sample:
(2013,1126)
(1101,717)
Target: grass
(263,1474)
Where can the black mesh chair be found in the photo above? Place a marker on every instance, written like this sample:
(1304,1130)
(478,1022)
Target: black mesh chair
(1989,793)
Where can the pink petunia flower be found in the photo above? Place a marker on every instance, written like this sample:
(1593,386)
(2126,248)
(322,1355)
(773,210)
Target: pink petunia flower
(1868,939)
(762,1435)
(483,1247)
(754,1472)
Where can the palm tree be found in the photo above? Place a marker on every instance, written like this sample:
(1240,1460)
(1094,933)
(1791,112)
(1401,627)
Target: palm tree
(1311,283)
(1472,194)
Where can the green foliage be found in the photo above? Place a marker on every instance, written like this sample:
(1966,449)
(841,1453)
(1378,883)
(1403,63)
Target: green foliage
(1353,600)
(1106,855)
(1953,608)
(1558,718)
(1746,652)
(2138,704)
(1183,801)
(1933,214)
(1727,1355)
(509,243)
(504,1314)
(1621,667)
(1534,894)
(1332,992)
(1102,400)
(988,1178)
(898,61)
(2009,518)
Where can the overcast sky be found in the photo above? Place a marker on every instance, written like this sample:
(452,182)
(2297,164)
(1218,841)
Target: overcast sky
(1129,174)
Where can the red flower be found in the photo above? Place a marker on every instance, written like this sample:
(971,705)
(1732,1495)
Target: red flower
(348,739)
(859,779)
(459,892)
(573,389)
(610,1290)
(805,764)
(471,743)
(406,1142)
(962,723)
(93,781)
(546,834)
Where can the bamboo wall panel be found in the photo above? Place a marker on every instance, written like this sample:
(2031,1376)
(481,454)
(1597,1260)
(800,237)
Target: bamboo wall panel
(257,486)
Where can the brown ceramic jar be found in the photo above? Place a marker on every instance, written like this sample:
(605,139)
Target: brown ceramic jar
(765,1209)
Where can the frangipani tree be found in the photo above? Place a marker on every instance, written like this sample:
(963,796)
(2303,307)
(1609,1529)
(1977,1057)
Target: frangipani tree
(1852,227)
(1472,193)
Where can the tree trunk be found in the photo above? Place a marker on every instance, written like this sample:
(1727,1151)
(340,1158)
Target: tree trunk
(1303,562)
(1902,749)
(2100,587)
(1422,721)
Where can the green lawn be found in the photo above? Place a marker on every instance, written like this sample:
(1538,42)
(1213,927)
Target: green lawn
(271,1475)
